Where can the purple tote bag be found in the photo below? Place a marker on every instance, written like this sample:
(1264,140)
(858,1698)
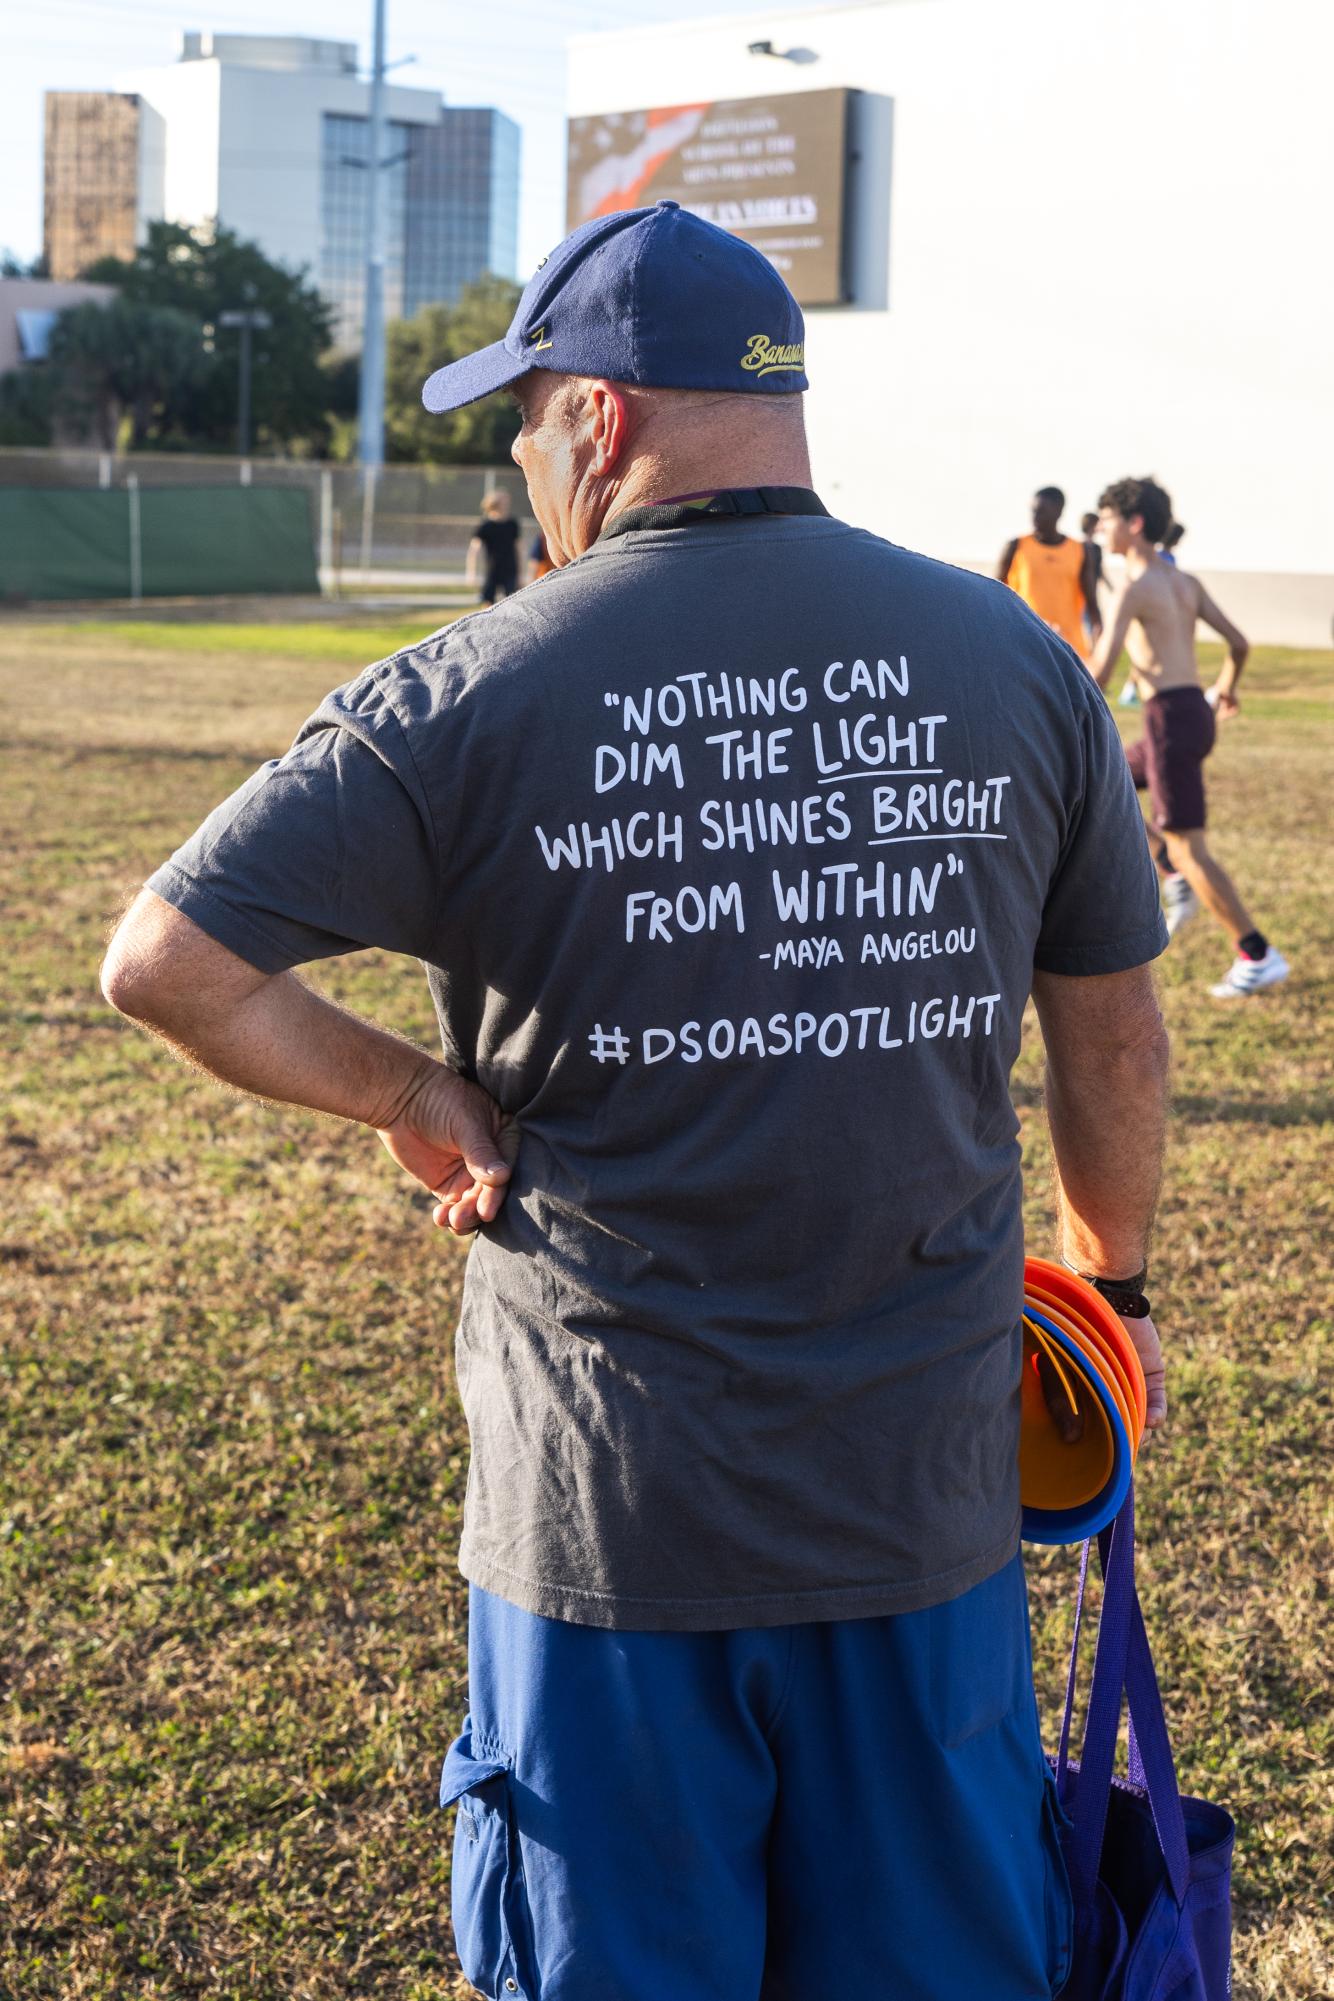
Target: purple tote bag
(1150,1870)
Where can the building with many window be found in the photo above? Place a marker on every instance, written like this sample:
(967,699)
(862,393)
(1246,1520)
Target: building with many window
(450,192)
(269,135)
(91,195)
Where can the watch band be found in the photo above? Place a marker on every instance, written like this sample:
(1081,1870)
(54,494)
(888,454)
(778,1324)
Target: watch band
(1128,1301)
(1124,1295)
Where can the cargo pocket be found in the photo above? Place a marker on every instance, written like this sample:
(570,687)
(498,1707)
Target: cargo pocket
(488,1902)
(1059,1905)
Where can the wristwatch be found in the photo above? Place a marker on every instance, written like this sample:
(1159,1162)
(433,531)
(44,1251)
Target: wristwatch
(1124,1295)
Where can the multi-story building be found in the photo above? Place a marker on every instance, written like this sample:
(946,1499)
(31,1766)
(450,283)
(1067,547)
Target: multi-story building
(91,197)
(269,135)
(451,194)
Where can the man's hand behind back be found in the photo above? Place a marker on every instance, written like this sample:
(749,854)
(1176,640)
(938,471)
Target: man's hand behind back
(455,1139)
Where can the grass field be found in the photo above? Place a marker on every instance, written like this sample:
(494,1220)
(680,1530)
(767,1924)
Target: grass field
(233,1461)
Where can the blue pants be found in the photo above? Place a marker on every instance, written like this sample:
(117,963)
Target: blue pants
(791,1813)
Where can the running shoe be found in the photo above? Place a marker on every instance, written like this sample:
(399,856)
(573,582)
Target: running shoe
(1180,903)
(1248,976)
(1129,696)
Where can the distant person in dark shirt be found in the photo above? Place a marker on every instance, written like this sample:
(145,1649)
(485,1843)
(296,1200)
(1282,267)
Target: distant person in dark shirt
(494,549)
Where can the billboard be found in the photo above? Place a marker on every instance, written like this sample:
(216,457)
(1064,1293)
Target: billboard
(770,169)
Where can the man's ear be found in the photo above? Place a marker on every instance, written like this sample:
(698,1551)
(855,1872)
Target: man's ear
(609,428)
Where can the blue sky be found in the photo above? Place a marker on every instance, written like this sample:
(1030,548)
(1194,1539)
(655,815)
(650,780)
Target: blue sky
(510,53)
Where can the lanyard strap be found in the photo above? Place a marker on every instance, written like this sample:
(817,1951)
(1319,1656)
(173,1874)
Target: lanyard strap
(726,505)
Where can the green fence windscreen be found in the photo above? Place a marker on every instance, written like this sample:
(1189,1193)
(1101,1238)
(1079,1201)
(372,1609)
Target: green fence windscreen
(193,542)
(64,545)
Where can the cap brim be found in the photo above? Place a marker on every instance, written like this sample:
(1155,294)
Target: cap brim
(477,375)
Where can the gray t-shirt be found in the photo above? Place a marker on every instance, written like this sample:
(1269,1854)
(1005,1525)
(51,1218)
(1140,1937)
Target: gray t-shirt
(730,851)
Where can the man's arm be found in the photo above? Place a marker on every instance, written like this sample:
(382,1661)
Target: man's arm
(271,1035)
(1237,644)
(1007,558)
(1103,659)
(1107,1058)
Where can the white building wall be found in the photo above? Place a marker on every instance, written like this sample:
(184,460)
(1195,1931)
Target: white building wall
(243,144)
(180,163)
(271,144)
(1089,243)
(150,201)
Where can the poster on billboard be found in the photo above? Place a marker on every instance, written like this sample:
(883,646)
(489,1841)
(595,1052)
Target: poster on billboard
(770,169)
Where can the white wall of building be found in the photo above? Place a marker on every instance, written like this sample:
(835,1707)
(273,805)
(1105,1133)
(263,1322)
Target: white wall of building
(243,142)
(185,101)
(1107,252)
(271,147)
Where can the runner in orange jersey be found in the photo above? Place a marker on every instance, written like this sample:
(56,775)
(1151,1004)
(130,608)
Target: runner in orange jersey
(1053,574)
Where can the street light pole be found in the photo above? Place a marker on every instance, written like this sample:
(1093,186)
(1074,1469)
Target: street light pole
(371,413)
(243,394)
(247,319)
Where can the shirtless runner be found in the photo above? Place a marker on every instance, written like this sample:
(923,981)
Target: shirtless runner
(1154,618)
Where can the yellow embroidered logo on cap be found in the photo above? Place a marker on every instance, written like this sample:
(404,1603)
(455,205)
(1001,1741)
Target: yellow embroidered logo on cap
(766,359)
(537,338)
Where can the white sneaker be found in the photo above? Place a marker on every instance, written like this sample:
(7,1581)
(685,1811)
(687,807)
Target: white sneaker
(1128,697)
(1247,976)
(1180,903)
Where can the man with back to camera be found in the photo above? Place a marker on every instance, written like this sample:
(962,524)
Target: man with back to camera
(1055,576)
(1154,618)
(733,862)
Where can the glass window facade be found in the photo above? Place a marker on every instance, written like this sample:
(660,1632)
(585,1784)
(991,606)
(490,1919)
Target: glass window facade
(344,191)
(451,211)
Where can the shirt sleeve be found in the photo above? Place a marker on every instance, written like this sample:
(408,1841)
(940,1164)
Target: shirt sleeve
(322,851)
(1102,913)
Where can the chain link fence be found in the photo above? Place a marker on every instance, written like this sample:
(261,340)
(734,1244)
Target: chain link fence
(402,525)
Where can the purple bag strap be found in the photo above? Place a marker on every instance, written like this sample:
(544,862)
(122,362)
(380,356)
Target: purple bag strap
(1063,1749)
(1154,1773)
(1123,1664)
(1151,1763)
(1092,1789)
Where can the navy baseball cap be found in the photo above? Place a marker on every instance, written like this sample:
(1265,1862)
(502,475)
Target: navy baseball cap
(653,296)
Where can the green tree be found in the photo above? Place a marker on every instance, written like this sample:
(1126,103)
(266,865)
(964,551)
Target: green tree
(205,273)
(122,363)
(480,433)
(12,266)
(25,407)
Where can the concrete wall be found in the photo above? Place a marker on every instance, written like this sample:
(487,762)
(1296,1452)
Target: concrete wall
(1086,244)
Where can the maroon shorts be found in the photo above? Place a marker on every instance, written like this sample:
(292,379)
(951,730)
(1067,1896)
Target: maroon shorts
(1169,758)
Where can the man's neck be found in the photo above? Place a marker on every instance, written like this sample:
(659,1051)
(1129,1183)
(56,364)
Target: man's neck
(1051,540)
(652,481)
(1140,556)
